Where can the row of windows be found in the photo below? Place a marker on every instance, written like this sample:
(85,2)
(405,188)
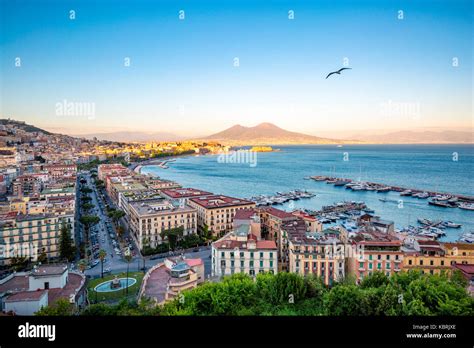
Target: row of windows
(379,257)
(242,264)
(241,254)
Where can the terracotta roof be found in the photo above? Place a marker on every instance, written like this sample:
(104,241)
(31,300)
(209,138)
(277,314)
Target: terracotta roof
(465,268)
(460,245)
(244,214)
(281,214)
(26,296)
(193,262)
(266,244)
(428,242)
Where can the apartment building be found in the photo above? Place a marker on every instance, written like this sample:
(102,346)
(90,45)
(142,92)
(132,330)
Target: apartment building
(241,252)
(372,251)
(148,219)
(272,220)
(217,212)
(319,253)
(434,257)
(31,235)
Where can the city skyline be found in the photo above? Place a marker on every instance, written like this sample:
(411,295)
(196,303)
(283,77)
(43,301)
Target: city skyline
(410,69)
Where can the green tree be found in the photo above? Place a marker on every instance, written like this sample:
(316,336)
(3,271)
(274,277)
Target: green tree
(66,245)
(61,307)
(173,236)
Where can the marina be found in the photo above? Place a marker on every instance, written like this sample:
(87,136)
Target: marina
(281,197)
(440,199)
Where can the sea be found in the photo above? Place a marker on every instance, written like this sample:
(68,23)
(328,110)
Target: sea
(440,168)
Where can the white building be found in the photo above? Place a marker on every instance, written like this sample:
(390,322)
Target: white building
(241,252)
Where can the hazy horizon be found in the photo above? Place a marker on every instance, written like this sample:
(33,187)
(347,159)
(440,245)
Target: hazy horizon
(410,69)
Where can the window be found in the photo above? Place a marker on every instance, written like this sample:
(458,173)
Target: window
(379,265)
(370,257)
(271,264)
(421,262)
(271,255)
(46,285)
(370,266)
(261,264)
(251,263)
(431,263)
(232,264)
(388,257)
(222,254)
(261,255)
(232,255)
(379,257)
(242,264)
(409,262)
(442,262)
(241,254)
(388,265)
(361,265)
(251,255)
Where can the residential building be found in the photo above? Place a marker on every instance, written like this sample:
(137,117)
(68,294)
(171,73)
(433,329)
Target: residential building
(217,212)
(149,219)
(241,252)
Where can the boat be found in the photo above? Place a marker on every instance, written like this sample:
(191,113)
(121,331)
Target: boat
(440,204)
(341,182)
(384,189)
(382,199)
(425,222)
(450,224)
(466,206)
(369,211)
(422,195)
(442,197)
(406,193)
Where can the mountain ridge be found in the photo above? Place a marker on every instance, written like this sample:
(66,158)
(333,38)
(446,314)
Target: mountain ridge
(269,134)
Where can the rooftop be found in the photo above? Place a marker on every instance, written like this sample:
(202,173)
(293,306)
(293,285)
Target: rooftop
(27,296)
(158,207)
(220,201)
(48,270)
(184,193)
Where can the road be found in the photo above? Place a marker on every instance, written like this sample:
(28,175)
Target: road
(121,266)
(103,231)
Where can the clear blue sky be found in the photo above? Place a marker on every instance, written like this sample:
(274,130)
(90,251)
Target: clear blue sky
(182,77)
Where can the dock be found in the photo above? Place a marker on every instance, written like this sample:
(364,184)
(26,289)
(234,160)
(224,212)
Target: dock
(452,198)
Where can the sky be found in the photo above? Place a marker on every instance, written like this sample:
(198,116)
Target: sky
(140,66)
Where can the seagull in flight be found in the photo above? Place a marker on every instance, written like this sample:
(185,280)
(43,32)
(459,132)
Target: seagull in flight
(337,72)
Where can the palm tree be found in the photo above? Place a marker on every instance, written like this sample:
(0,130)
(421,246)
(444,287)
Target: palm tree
(102,255)
(128,258)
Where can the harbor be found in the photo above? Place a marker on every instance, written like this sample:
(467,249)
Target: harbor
(281,197)
(440,199)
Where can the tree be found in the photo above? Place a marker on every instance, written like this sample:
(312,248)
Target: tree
(85,190)
(86,207)
(116,215)
(89,220)
(82,264)
(66,245)
(173,235)
(61,307)
(43,258)
(102,255)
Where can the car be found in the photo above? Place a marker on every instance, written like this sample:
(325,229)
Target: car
(196,250)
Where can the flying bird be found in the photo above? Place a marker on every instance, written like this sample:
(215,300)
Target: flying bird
(337,72)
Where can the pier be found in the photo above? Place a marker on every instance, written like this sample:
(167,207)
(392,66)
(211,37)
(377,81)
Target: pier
(452,198)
